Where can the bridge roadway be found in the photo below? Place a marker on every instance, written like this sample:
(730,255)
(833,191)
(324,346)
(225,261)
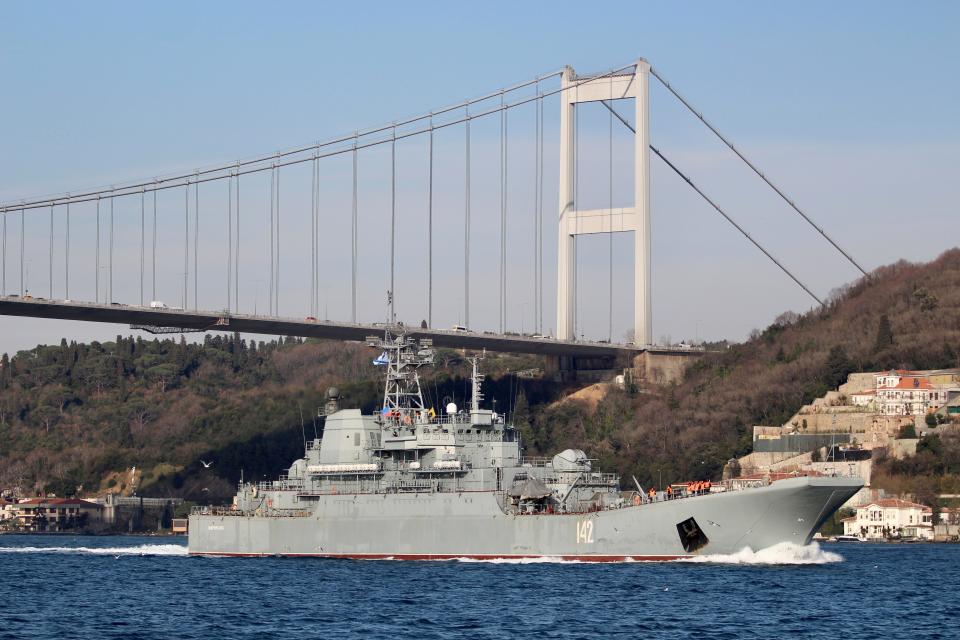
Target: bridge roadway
(137,317)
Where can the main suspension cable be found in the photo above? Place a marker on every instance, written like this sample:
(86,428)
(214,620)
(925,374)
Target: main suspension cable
(177,180)
(715,206)
(757,171)
(734,223)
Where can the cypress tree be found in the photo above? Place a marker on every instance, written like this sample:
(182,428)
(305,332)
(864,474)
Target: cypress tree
(884,334)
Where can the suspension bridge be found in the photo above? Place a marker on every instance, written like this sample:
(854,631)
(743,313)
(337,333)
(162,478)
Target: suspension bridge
(225,247)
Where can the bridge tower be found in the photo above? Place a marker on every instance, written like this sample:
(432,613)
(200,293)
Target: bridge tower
(574,221)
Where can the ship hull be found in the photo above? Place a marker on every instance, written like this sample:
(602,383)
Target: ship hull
(443,525)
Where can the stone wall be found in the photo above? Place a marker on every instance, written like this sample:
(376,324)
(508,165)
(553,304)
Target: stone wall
(663,368)
(858,382)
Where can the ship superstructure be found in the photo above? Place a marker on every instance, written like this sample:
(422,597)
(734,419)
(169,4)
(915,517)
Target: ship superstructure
(414,482)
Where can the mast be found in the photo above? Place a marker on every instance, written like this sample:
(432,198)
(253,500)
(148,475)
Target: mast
(402,356)
(476,379)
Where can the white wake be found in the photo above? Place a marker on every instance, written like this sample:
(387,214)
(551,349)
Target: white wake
(786,553)
(139,550)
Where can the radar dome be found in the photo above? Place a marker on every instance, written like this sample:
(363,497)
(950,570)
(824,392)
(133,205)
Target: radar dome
(451,408)
(333,393)
(571,460)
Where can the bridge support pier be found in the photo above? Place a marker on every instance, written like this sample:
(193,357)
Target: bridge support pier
(585,369)
(574,221)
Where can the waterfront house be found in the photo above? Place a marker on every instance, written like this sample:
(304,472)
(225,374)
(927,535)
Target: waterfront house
(891,518)
(54,514)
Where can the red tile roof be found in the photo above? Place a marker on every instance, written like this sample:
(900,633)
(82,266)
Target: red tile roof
(910,383)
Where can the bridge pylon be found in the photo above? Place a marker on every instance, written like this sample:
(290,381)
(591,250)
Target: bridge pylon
(575,221)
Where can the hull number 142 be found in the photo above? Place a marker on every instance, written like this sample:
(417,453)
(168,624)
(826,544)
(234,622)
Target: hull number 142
(585,532)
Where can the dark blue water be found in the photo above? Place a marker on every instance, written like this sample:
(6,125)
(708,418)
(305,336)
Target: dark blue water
(135,588)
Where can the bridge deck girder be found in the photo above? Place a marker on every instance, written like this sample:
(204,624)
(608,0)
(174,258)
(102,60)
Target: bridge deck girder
(323,329)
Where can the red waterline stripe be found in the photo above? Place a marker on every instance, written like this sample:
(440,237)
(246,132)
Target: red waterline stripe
(447,556)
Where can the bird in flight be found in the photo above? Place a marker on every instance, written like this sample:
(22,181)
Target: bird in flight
(206,465)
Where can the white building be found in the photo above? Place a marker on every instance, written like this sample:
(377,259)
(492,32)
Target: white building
(865,398)
(907,393)
(891,518)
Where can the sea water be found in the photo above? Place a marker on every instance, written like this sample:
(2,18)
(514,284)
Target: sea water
(118,587)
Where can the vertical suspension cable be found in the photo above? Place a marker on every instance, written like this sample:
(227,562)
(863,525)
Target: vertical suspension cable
(96,269)
(50,266)
(540,219)
(66,260)
(610,221)
(273,187)
(236,248)
(110,256)
(276,288)
(393,221)
(536,208)
(22,234)
(466,226)
(153,266)
(4,252)
(230,240)
(430,234)
(500,267)
(186,242)
(142,239)
(503,224)
(316,241)
(316,238)
(353,239)
(313,238)
(196,241)
(576,208)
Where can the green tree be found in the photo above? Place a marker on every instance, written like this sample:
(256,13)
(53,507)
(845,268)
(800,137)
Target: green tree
(931,420)
(907,432)
(839,366)
(884,334)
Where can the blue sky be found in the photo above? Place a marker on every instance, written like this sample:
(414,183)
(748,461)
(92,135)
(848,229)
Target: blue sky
(852,107)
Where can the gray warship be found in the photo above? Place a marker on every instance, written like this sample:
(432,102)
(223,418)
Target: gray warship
(411,483)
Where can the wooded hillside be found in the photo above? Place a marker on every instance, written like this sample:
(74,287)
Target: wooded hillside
(80,416)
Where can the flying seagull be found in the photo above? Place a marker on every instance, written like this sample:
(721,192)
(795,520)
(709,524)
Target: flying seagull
(206,465)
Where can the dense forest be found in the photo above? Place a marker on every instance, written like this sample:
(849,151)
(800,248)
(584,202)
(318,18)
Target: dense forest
(135,414)
(78,417)
(900,316)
